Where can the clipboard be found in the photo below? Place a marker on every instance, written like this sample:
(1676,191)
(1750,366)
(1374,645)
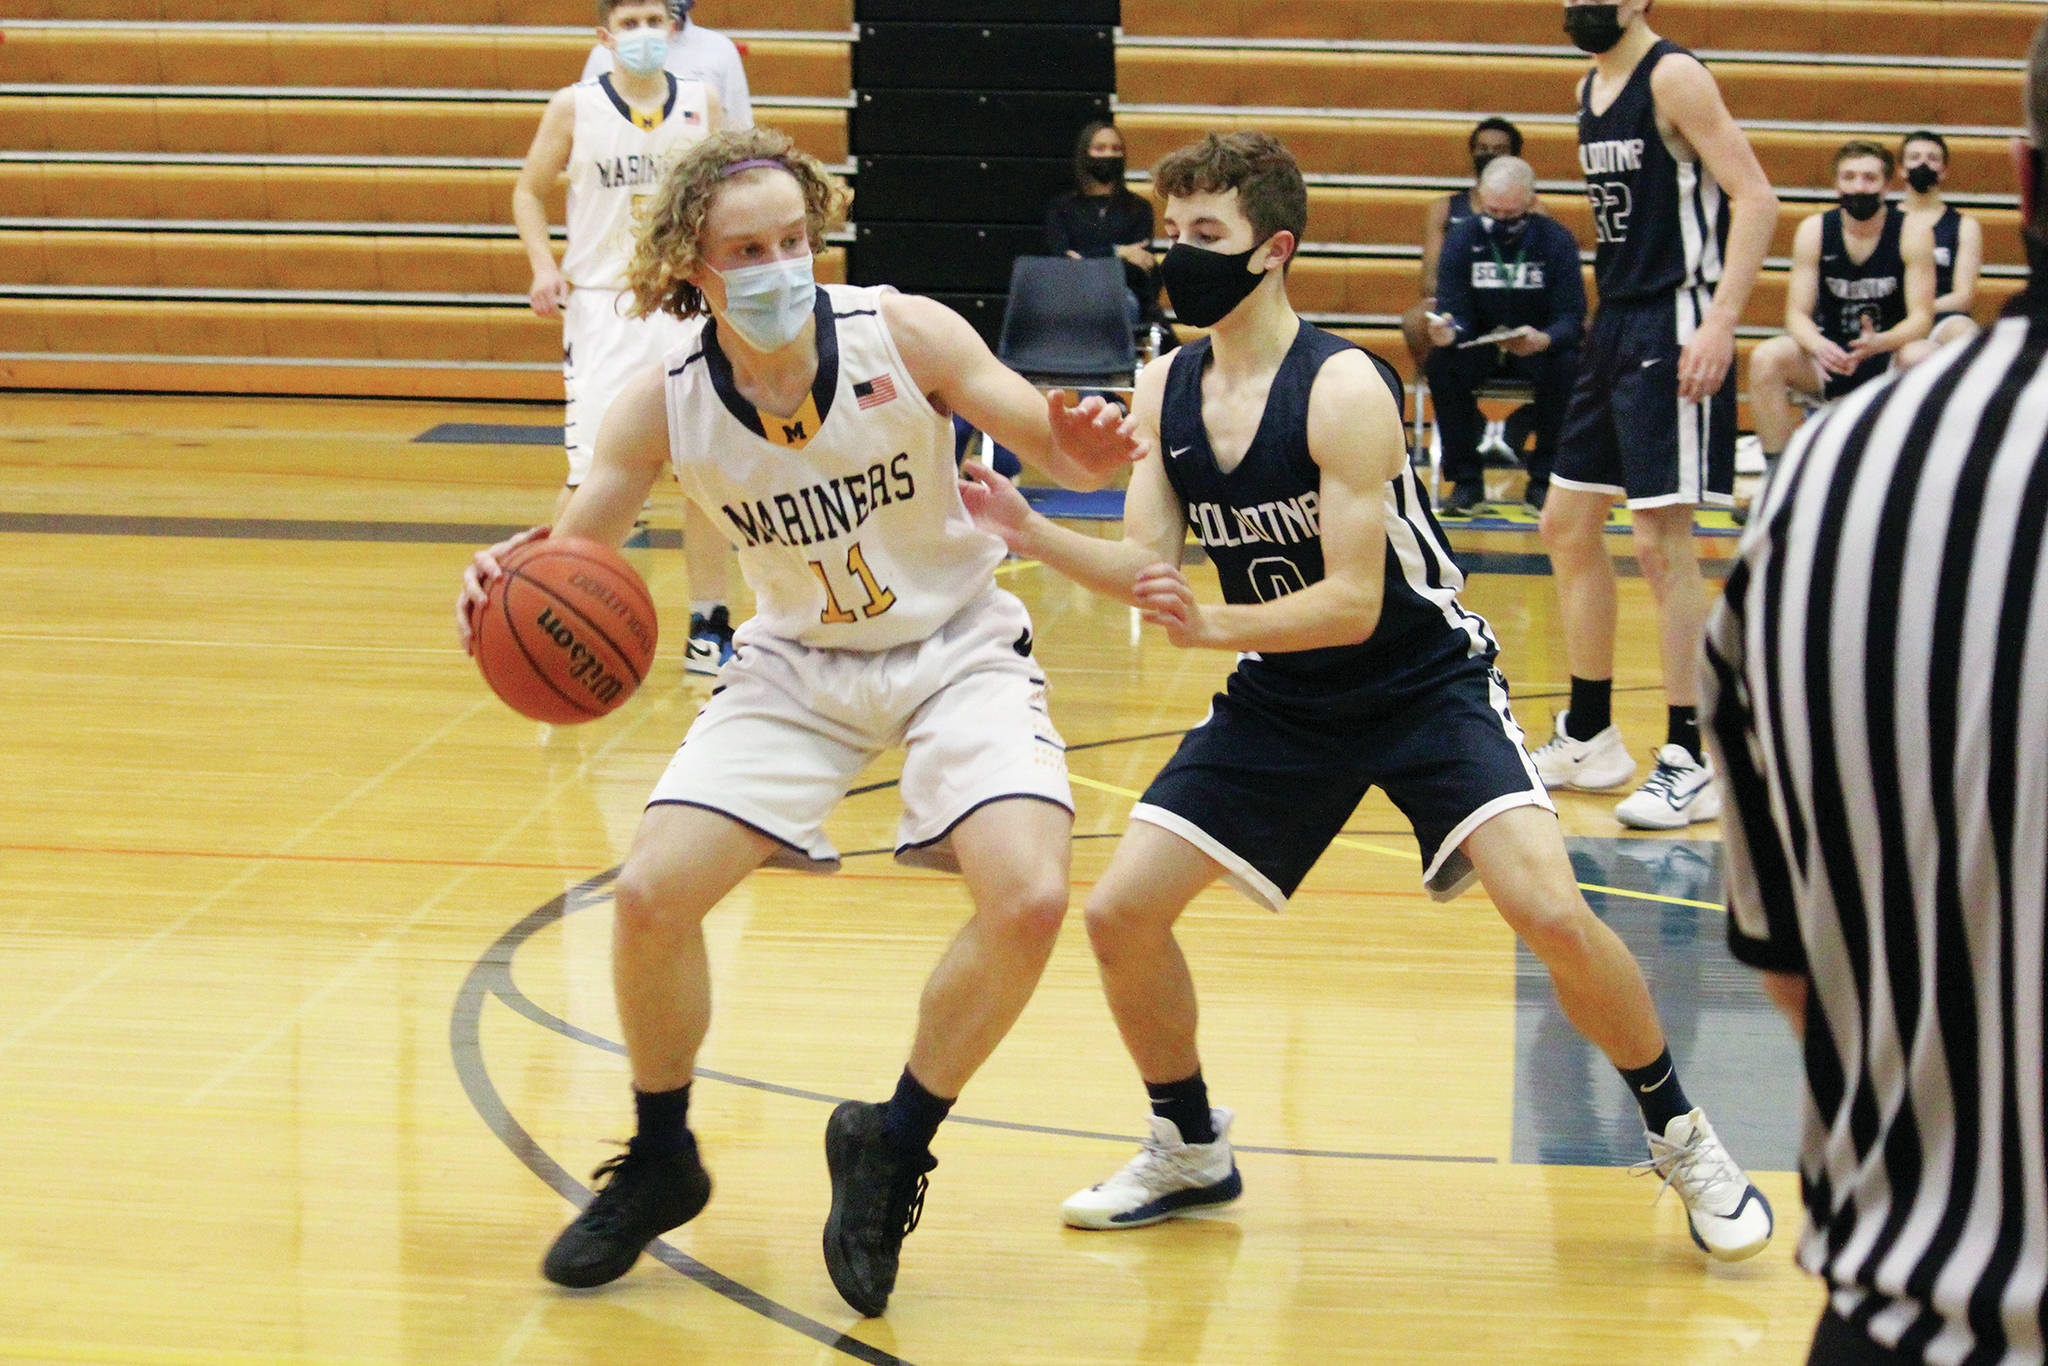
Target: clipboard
(1498,335)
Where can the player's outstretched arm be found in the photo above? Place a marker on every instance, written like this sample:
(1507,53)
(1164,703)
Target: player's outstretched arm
(1687,95)
(1081,445)
(1355,438)
(1155,524)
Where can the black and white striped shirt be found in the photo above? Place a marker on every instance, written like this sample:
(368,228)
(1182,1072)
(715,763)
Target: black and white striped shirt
(1877,698)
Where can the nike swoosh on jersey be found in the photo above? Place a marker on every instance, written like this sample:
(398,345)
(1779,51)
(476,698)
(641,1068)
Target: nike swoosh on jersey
(1176,452)
(1648,363)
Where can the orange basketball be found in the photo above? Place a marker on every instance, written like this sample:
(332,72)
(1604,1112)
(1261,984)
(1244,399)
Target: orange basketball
(567,632)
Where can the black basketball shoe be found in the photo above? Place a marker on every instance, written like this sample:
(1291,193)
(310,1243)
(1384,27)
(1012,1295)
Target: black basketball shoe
(639,1196)
(877,1196)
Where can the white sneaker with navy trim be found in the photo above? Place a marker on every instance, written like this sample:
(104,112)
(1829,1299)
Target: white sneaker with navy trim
(1596,765)
(1166,1178)
(1730,1219)
(1679,791)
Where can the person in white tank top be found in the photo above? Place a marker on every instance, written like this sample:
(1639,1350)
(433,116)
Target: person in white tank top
(814,425)
(613,136)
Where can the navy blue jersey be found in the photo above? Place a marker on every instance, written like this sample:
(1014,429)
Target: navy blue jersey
(1457,208)
(1661,222)
(1261,526)
(1948,240)
(1850,291)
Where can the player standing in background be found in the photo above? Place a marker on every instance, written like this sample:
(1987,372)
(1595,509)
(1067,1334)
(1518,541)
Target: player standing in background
(696,53)
(614,135)
(814,423)
(1958,244)
(1683,216)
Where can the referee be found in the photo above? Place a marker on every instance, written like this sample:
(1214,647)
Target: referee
(1876,689)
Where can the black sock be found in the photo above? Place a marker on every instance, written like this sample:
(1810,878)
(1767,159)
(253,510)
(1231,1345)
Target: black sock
(1657,1091)
(1186,1103)
(911,1117)
(1684,731)
(664,1118)
(1592,709)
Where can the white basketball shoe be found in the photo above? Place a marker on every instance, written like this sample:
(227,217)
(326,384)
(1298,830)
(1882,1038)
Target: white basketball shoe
(1679,791)
(1166,1178)
(1730,1219)
(1596,765)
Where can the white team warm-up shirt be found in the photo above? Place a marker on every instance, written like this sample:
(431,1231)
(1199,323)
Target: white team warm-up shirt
(615,160)
(846,514)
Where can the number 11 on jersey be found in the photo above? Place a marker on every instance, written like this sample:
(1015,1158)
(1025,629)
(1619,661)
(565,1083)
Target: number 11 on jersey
(880,599)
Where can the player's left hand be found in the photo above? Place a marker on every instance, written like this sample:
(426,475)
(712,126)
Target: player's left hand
(994,503)
(1164,598)
(1703,364)
(1094,433)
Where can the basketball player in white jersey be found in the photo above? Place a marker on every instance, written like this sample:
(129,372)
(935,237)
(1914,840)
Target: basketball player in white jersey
(614,135)
(814,424)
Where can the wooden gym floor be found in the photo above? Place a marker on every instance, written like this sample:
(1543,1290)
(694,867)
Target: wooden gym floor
(307,1028)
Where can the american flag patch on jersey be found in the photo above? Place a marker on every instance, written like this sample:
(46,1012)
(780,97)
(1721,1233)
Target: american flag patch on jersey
(873,393)
(692,116)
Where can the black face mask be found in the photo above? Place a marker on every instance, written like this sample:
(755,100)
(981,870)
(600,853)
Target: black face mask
(1204,286)
(1480,161)
(1861,207)
(1106,170)
(1922,177)
(1593,28)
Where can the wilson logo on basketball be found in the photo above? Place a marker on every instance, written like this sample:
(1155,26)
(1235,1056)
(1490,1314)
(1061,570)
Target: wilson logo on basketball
(584,667)
(604,595)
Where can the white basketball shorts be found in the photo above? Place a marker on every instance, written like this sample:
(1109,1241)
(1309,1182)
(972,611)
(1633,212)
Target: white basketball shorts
(603,351)
(789,727)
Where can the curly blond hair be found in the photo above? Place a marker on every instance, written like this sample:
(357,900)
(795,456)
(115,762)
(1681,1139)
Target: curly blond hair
(669,229)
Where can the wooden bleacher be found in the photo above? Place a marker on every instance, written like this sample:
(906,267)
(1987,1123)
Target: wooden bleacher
(313,195)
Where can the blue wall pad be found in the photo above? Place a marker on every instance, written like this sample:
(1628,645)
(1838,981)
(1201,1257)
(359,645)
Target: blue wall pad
(1103,505)
(1735,1053)
(490,434)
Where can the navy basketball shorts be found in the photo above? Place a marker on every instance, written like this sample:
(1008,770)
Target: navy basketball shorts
(1627,432)
(1263,789)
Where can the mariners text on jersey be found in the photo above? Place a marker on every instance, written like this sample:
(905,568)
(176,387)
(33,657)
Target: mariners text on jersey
(818,512)
(624,173)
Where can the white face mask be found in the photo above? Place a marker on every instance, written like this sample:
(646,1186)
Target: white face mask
(768,304)
(641,51)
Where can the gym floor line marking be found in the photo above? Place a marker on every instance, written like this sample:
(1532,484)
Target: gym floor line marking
(108,850)
(491,977)
(1349,843)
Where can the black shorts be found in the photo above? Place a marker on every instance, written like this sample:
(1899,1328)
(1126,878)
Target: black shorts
(1263,789)
(1627,432)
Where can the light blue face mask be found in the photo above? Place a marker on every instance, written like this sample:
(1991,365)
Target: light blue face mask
(769,304)
(641,51)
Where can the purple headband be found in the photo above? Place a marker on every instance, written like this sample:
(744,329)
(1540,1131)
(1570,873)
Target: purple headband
(749,165)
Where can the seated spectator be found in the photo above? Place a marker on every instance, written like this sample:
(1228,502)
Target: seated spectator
(1958,244)
(696,53)
(1862,287)
(1512,275)
(1492,138)
(1101,217)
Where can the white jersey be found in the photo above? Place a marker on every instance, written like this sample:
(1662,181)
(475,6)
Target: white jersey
(847,513)
(616,159)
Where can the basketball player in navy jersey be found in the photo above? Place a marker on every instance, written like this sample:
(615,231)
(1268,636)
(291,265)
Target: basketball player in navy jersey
(813,424)
(1958,244)
(1862,289)
(1683,215)
(1358,667)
